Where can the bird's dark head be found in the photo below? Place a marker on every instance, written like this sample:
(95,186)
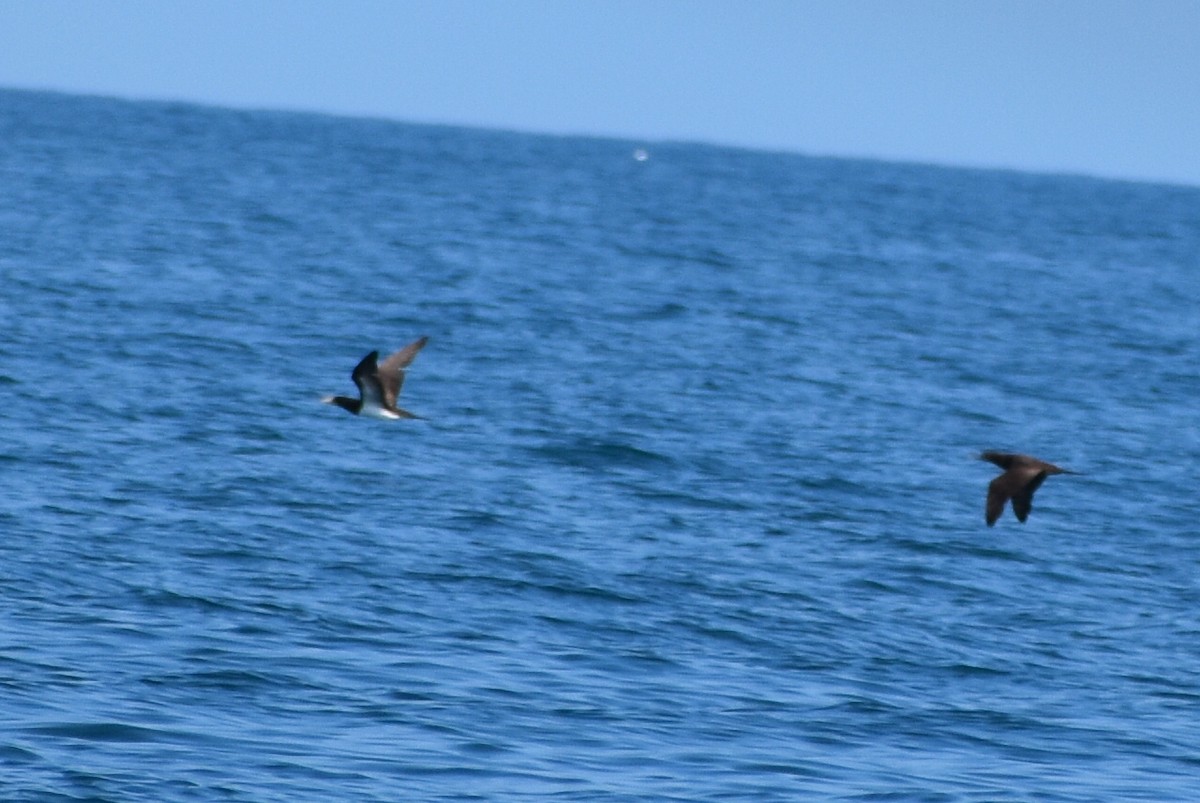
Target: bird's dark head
(349,405)
(1002,459)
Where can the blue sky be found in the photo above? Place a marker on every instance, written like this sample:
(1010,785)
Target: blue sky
(1102,87)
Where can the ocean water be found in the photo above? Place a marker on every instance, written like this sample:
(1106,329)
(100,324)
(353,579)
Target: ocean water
(694,512)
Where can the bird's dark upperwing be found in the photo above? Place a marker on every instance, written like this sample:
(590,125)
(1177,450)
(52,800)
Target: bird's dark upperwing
(391,371)
(366,376)
(1023,499)
(998,492)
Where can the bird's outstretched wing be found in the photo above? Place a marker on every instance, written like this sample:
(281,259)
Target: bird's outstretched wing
(998,492)
(1022,501)
(390,373)
(366,376)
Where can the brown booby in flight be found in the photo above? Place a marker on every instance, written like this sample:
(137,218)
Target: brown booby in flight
(379,384)
(1022,476)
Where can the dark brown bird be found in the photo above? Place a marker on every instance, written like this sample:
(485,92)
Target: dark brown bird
(1022,476)
(379,384)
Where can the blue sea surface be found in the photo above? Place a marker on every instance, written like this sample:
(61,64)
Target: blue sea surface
(694,512)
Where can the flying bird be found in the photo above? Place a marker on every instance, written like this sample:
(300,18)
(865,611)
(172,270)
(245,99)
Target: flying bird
(1022,476)
(379,384)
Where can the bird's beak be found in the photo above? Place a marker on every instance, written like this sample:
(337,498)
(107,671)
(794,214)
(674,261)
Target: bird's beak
(326,400)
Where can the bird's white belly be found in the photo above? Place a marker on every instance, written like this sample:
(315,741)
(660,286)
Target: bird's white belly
(374,411)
